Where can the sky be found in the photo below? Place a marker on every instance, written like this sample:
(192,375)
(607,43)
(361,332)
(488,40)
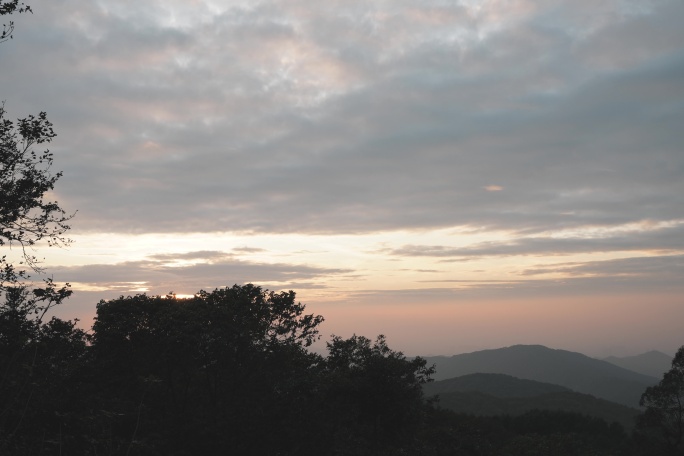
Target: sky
(456,175)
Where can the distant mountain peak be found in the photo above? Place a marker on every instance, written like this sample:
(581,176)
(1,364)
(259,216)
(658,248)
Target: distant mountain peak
(653,363)
(572,370)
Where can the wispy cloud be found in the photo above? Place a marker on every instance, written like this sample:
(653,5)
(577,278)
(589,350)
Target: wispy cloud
(654,268)
(161,273)
(199,255)
(669,238)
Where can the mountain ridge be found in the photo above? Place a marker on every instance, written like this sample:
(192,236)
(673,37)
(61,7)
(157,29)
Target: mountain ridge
(482,404)
(497,385)
(654,363)
(572,370)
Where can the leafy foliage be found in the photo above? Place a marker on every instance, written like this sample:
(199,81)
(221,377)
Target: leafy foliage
(375,393)
(38,363)
(26,217)
(215,368)
(10,7)
(227,371)
(661,426)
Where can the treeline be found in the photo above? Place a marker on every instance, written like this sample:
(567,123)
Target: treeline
(230,372)
(226,372)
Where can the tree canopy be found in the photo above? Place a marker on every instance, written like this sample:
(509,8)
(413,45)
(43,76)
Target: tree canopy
(229,371)
(662,423)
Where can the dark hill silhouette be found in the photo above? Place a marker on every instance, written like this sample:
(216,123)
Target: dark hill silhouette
(653,363)
(481,404)
(498,385)
(536,362)
(500,394)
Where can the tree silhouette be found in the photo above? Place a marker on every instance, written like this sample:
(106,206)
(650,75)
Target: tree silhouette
(224,371)
(375,395)
(10,7)
(662,423)
(38,368)
(26,217)
(38,359)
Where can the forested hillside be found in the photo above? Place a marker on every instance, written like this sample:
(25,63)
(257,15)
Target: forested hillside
(498,395)
(572,370)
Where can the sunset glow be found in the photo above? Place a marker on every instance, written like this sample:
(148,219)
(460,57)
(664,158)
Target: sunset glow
(456,176)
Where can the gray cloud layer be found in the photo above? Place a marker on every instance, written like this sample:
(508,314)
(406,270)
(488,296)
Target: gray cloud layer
(167,272)
(357,116)
(658,239)
(656,269)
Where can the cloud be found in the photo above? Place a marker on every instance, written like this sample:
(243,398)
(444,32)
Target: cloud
(356,117)
(162,273)
(654,268)
(645,238)
(547,129)
(246,249)
(199,255)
